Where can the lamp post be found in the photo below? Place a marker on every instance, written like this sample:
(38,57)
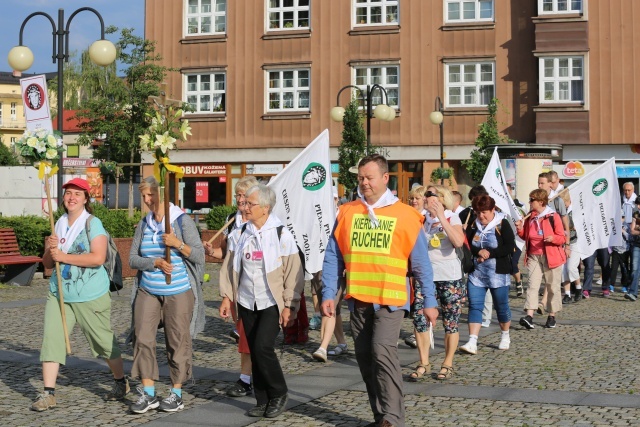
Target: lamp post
(437,118)
(108,145)
(102,52)
(382,111)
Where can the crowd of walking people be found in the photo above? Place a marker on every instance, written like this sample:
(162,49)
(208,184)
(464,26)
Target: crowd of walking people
(385,260)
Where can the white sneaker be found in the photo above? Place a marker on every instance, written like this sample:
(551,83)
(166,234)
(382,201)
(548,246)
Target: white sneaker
(486,323)
(469,348)
(504,343)
(320,355)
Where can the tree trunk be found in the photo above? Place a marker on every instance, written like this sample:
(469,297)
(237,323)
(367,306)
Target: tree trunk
(131,182)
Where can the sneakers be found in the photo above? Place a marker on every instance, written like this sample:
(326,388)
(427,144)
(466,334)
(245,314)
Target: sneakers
(577,297)
(239,389)
(144,402)
(551,322)
(338,350)
(611,288)
(519,289)
(486,323)
(43,402)
(527,322)
(505,341)
(599,282)
(173,403)
(605,293)
(118,391)
(469,348)
(315,323)
(411,341)
(624,289)
(586,294)
(567,299)
(630,297)
(235,335)
(320,355)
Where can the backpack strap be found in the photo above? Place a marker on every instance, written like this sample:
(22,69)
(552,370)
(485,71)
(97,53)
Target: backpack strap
(87,226)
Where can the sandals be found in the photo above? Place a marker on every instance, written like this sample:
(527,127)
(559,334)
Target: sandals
(448,373)
(420,371)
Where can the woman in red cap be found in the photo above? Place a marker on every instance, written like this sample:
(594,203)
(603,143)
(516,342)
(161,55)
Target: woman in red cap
(85,285)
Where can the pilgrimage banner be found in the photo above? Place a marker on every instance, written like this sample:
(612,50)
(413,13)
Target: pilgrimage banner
(36,103)
(305,200)
(596,207)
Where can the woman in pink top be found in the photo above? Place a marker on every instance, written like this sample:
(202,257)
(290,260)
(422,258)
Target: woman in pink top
(544,236)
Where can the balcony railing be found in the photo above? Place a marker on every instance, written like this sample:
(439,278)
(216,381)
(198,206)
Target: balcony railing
(13,124)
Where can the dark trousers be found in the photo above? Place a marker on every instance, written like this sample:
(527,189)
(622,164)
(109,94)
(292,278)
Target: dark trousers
(376,345)
(621,260)
(261,328)
(602,256)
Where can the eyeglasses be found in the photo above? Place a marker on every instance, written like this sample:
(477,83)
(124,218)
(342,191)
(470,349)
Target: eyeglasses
(251,205)
(532,200)
(430,194)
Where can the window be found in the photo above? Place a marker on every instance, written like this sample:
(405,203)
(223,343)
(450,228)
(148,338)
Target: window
(376,12)
(288,90)
(559,6)
(288,14)
(469,10)
(386,76)
(205,17)
(13,111)
(469,84)
(206,93)
(561,79)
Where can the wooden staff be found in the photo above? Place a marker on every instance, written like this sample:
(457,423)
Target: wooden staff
(221,230)
(58,275)
(167,223)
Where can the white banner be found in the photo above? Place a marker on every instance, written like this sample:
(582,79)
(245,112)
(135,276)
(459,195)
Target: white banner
(596,206)
(495,184)
(305,200)
(36,103)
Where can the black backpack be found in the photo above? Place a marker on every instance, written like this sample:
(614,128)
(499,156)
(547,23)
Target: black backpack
(113,263)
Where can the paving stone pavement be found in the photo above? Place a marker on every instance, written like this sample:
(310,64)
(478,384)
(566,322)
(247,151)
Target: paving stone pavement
(583,373)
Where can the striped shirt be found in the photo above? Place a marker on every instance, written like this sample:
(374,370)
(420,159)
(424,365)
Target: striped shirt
(154,281)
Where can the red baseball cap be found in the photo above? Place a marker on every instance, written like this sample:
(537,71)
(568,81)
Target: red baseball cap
(78,182)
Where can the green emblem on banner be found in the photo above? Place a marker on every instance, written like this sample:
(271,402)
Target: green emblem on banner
(599,187)
(314,177)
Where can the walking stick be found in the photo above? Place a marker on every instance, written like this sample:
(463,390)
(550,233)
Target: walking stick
(58,275)
(224,227)
(167,223)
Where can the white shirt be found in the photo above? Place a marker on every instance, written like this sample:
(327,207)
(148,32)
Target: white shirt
(253,290)
(445,262)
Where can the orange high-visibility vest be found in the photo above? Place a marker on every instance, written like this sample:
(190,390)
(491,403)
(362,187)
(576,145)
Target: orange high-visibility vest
(376,259)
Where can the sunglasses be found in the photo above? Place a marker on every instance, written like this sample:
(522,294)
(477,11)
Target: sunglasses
(532,200)
(430,194)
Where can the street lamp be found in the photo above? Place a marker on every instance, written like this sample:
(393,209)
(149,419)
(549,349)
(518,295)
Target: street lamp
(108,145)
(382,111)
(437,118)
(102,52)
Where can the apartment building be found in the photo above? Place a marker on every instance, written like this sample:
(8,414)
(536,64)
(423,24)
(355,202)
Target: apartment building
(263,75)
(12,120)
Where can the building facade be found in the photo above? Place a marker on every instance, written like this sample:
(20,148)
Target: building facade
(12,120)
(263,75)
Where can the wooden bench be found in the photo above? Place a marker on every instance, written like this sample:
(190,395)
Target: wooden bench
(20,269)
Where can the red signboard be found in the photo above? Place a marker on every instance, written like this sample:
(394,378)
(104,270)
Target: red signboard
(202,192)
(200,170)
(223,179)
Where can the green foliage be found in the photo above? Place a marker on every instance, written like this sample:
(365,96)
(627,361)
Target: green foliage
(488,135)
(217,216)
(7,156)
(439,174)
(31,230)
(116,221)
(353,146)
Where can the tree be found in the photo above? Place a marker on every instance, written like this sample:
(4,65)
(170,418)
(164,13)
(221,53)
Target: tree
(124,112)
(353,145)
(7,156)
(487,135)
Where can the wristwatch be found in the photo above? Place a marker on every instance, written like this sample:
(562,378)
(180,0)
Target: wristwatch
(181,247)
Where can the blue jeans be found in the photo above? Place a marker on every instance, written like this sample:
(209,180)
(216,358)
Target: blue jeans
(633,288)
(500,297)
(602,256)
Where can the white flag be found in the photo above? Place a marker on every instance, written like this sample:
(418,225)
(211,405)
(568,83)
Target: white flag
(496,185)
(595,203)
(36,103)
(305,200)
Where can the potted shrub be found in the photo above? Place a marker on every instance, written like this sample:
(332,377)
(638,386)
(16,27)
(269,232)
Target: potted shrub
(439,174)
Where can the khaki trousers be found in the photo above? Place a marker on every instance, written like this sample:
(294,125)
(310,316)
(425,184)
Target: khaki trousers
(174,312)
(538,269)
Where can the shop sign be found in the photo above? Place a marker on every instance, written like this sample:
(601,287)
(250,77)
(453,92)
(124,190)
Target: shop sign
(198,170)
(264,169)
(223,179)
(202,192)
(573,170)
(628,171)
(70,162)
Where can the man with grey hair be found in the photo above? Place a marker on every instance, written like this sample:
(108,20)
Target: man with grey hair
(628,208)
(554,181)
